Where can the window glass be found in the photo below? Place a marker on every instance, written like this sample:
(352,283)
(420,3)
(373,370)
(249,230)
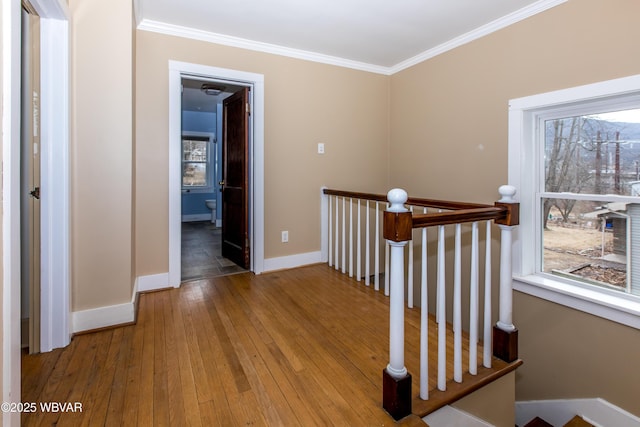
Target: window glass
(588,209)
(195,162)
(597,154)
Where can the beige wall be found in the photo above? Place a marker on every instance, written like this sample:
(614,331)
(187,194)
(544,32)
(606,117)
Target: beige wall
(571,354)
(305,103)
(101,153)
(493,403)
(449,119)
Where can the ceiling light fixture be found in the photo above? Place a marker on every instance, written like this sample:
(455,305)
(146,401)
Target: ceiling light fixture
(211,89)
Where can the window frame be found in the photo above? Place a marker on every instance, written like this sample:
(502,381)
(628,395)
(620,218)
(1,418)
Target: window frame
(210,162)
(524,164)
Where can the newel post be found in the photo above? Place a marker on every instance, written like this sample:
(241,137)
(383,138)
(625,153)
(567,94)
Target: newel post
(505,334)
(396,381)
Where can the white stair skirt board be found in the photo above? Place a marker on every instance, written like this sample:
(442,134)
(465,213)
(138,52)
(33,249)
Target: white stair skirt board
(448,416)
(596,411)
(292,261)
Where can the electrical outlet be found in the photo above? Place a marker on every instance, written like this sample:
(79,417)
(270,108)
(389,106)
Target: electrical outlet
(320,148)
(285,236)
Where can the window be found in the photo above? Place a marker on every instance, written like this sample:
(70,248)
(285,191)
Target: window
(574,156)
(196,162)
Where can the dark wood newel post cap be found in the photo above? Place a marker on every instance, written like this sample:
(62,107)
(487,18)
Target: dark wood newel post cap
(397,226)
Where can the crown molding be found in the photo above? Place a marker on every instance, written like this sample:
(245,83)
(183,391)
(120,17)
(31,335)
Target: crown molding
(498,24)
(192,33)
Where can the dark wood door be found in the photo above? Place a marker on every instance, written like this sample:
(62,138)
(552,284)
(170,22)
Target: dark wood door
(235,172)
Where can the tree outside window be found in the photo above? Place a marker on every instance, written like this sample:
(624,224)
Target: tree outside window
(589,199)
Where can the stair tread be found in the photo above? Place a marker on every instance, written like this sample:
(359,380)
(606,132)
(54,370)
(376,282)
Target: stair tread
(578,421)
(538,422)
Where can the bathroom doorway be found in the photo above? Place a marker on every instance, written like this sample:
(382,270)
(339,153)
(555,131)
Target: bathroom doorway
(204,170)
(256,233)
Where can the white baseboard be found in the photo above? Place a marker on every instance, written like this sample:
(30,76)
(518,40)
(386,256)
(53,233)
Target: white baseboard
(596,411)
(153,282)
(292,261)
(196,217)
(102,317)
(125,313)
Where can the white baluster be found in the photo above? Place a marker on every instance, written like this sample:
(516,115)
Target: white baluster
(367,254)
(344,232)
(330,254)
(350,237)
(376,268)
(457,307)
(396,367)
(473,302)
(410,272)
(486,355)
(424,322)
(359,247)
(505,321)
(337,232)
(387,276)
(441,315)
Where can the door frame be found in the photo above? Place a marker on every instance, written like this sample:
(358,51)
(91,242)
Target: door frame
(177,70)
(55,164)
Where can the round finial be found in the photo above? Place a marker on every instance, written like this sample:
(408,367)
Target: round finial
(507,192)
(397,197)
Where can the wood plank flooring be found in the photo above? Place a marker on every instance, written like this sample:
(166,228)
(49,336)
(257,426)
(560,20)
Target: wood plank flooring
(298,347)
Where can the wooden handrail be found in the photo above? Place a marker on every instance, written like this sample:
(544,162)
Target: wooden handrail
(412,201)
(458,216)
(459,212)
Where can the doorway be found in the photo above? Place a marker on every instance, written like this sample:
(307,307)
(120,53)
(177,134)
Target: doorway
(204,142)
(255,164)
(30,181)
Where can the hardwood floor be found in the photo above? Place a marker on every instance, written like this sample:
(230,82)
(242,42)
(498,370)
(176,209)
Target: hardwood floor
(297,347)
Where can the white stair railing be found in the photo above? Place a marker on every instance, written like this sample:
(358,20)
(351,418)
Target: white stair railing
(354,222)
(463,219)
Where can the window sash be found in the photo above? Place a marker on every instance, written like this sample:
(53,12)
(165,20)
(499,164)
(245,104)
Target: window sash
(526,173)
(186,160)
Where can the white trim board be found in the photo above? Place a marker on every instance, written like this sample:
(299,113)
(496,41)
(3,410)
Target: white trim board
(222,39)
(102,317)
(596,411)
(292,261)
(195,217)
(152,282)
(11,77)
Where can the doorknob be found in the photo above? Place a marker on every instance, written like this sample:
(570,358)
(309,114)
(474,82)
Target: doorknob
(221,184)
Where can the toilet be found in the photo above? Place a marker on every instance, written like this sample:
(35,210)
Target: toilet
(211,204)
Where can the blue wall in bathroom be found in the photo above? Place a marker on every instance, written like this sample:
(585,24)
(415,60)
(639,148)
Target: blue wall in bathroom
(196,121)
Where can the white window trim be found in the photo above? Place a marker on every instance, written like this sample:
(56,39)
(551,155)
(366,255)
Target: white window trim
(211,162)
(523,116)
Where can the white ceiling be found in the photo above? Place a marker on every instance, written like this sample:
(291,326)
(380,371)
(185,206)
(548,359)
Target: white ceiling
(379,34)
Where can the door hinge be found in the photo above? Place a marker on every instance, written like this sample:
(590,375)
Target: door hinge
(248,107)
